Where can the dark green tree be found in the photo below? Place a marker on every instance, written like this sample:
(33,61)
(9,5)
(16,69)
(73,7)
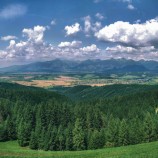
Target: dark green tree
(33,144)
(78,136)
(123,133)
(149,128)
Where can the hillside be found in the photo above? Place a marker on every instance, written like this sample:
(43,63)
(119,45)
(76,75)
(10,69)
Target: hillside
(46,120)
(148,150)
(89,93)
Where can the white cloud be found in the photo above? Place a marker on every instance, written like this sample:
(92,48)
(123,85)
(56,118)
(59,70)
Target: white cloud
(119,48)
(73,44)
(145,53)
(12,11)
(90,27)
(33,48)
(53,22)
(36,34)
(73,29)
(99,16)
(134,35)
(87,24)
(7,38)
(12,43)
(91,48)
(96,26)
(131,7)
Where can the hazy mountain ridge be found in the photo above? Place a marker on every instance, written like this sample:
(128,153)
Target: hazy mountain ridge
(90,66)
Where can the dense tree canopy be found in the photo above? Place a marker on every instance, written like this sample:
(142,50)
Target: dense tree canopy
(46,120)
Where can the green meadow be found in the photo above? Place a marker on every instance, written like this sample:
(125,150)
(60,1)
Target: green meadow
(11,149)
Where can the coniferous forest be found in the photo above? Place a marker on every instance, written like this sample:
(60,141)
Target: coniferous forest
(46,120)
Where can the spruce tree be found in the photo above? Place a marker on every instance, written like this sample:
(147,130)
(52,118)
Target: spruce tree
(112,132)
(33,144)
(96,140)
(78,136)
(149,128)
(123,133)
(10,129)
(69,138)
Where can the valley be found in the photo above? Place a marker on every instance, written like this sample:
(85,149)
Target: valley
(78,79)
(70,80)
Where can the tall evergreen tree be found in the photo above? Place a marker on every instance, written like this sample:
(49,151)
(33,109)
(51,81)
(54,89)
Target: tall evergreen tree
(78,136)
(112,132)
(33,144)
(69,138)
(149,128)
(123,133)
(10,129)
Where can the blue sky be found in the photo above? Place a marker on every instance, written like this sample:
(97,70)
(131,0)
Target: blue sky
(40,30)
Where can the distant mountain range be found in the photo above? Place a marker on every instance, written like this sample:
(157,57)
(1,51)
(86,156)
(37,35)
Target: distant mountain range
(87,66)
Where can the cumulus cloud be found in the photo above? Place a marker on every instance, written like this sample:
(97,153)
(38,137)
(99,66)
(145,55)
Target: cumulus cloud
(90,27)
(145,53)
(36,34)
(134,35)
(7,38)
(122,49)
(99,16)
(91,48)
(73,29)
(73,44)
(12,11)
(33,48)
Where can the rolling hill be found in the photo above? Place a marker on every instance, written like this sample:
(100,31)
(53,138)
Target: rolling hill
(89,93)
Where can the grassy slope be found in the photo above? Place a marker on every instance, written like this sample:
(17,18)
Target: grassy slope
(149,150)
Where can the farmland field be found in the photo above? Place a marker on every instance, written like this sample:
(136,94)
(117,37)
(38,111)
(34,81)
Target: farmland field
(149,150)
(69,80)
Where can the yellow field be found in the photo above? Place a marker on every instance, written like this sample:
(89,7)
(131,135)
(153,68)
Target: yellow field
(58,81)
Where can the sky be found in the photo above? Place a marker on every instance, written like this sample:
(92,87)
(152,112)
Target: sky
(42,30)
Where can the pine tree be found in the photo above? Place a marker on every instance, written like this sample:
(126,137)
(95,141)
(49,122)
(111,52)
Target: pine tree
(3,131)
(123,133)
(69,138)
(41,138)
(112,132)
(52,142)
(96,140)
(33,144)
(78,136)
(23,134)
(10,129)
(149,128)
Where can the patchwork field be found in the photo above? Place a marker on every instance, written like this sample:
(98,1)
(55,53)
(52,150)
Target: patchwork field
(58,81)
(68,80)
(149,150)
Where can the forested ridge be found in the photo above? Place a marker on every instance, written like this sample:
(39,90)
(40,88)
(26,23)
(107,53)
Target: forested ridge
(47,120)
